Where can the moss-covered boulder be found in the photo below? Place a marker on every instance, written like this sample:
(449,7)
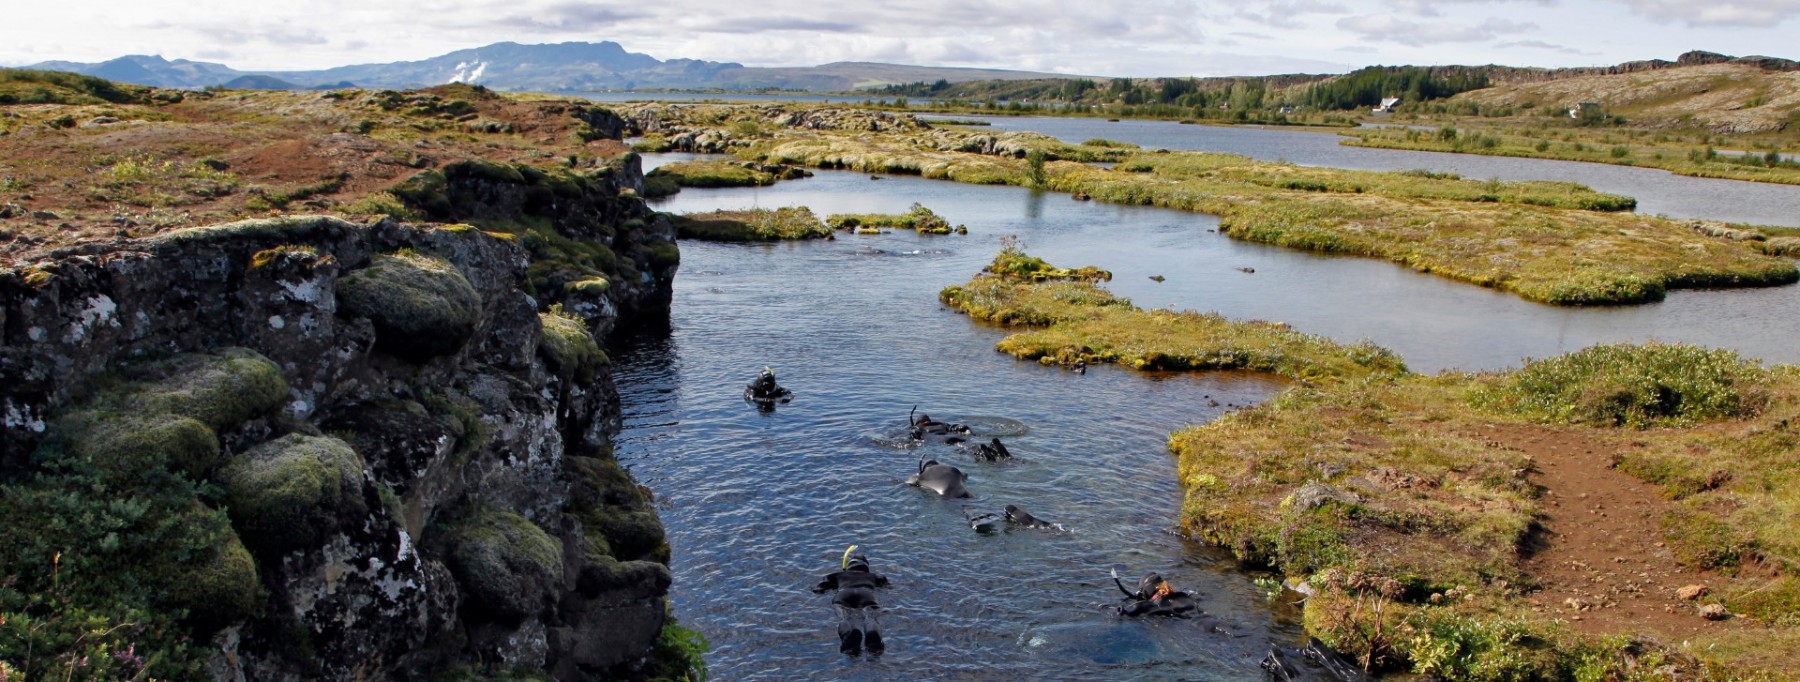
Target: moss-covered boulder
(293,492)
(421,306)
(569,349)
(129,445)
(215,586)
(220,389)
(507,566)
(619,521)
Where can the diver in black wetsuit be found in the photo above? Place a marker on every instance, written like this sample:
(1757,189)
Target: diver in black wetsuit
(764,391)
(924,425)
(1155,597)
(855,603)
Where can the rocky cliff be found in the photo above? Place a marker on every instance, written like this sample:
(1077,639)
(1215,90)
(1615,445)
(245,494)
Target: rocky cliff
(310,448)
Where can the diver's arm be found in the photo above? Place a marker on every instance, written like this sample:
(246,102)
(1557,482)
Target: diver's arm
(826,585)
(1128,593)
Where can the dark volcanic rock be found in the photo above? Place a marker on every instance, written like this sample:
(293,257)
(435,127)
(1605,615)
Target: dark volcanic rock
(359,413)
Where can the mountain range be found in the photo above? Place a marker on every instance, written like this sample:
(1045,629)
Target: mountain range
(562,67)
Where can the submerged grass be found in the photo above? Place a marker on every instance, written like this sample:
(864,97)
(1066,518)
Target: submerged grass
(1078,322)
(1556,243)
(1383,491)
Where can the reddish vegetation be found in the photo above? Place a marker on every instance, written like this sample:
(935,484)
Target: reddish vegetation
(117,170)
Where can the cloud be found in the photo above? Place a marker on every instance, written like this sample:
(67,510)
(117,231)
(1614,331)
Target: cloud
(563,16)
(1431,8)
(1745,13)
(765,24)
(1541,45)
(1388,28)
(1289,14)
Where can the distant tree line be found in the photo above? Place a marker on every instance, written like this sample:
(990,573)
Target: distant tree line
(1211,97)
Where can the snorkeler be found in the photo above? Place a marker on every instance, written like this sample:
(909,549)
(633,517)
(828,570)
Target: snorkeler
(855,603)
(765,392)
(1154,597)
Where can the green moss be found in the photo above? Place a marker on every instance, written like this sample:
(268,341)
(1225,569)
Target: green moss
(292,229)
(421,306)
(663,255)
(569,348)
(383,204)
(220,389)
(712,174)
(508,566)
(216,587)
(292,492)
(131,444)
(486,170)
(592,286)
(619,521)
(263,258)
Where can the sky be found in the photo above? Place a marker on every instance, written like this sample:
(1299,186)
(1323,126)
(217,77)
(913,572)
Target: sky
(1079,37)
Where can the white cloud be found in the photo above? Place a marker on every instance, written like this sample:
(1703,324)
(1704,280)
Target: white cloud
(1747,13)
(1434,8)
(1392,29)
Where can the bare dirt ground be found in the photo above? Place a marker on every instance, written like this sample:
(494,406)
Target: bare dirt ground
(1599,561)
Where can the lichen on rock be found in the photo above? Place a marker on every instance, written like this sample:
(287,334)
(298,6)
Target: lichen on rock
(421,306)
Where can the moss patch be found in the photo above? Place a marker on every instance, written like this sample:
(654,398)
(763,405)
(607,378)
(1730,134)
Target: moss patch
(422,307)
(293,492)
(509,567)
(218,389)
(569,348)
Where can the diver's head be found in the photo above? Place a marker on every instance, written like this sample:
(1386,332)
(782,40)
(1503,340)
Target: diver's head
(1149,584)
(767,374)
(855,560)
(1014,513)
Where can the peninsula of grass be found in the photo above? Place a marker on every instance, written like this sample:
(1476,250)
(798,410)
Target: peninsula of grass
(918,218)
(752,225)
(1391,497)
(1555,243)
(1649,149)
(1072,320)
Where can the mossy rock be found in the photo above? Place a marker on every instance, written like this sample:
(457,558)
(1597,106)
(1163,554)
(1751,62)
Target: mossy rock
(290,229)
(293,492)
(421,306)
(610,504)
(569,348)
(216,586)
(129,445)
(221,389)
(507,566)
(663,254)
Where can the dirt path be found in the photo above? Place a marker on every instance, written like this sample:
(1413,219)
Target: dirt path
(1600,561)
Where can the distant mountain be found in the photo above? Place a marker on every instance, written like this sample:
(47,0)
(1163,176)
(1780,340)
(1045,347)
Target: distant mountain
(560,67)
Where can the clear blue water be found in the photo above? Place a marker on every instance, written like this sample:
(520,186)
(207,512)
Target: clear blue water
(760,505)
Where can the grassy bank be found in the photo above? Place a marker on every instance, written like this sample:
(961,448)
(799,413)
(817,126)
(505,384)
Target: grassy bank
(1648,149)
(752,225)
(1395,500)
(1557,243)
(670,178)
(1072,320)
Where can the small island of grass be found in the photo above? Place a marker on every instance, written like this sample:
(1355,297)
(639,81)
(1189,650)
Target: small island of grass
(1072,320)
(918,218)
(752,225)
